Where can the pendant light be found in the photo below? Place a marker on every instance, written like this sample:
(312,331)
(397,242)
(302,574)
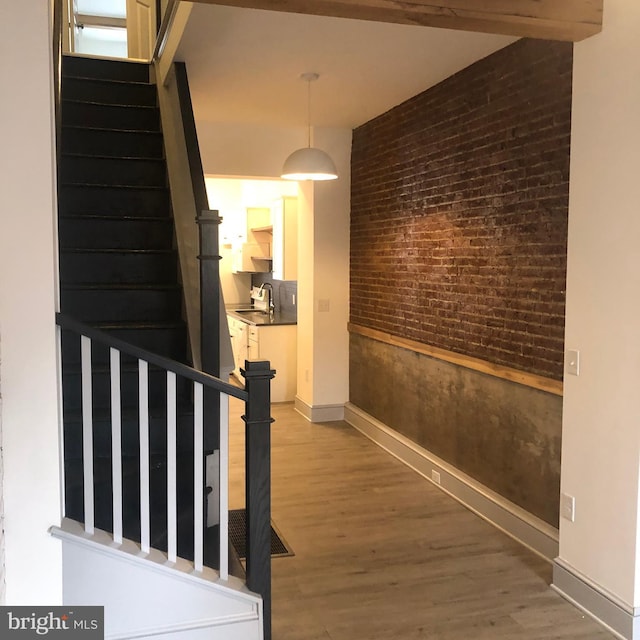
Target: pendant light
(309,163)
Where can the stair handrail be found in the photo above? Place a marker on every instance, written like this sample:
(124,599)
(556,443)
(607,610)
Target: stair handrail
(257,419)
(166,21)
(67,322)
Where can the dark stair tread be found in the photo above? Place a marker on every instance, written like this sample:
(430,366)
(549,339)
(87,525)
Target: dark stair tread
(107,80)
(123,218)
(107,326)
(109,90)
(97,168)
(97,156)
(87,127)
(91,185)
(110,286)
(109,105)
(110,116)
(116,251)
(112,200)
(73,65)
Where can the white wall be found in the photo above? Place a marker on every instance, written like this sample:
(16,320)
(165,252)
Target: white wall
(238,150)
(323,270)
(331,212)
(601,425)
(323,279)
(306,292)
(27,305)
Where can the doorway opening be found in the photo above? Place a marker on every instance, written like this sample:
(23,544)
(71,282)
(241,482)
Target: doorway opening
(100,27)
(112,28)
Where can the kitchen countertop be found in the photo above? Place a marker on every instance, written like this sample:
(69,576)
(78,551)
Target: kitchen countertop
(259,318)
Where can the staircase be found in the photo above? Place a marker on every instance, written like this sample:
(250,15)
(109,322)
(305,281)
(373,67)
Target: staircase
(118,266)
(119,274)
(135,536)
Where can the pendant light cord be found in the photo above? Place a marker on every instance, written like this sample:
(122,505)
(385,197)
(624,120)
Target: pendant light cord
(309,113)
(309,77)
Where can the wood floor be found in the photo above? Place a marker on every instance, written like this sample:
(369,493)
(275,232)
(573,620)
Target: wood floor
(380,552)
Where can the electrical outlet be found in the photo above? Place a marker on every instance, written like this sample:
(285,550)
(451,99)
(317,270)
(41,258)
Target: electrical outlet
(568,507)
(435,476)
(323,305)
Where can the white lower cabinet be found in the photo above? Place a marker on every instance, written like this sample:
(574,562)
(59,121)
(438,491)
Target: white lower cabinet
(275,343)
(239,333)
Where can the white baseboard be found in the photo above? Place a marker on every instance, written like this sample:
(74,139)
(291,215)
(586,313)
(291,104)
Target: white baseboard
(524,527)
(319,413)
(620,619)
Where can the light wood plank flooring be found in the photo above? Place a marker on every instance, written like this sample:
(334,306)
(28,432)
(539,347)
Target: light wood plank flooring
(382,553)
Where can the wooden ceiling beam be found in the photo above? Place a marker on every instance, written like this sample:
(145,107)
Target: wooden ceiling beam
(568,20)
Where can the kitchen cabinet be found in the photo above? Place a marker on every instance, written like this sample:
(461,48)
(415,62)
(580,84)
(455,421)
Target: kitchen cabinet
(239,333)
(254,254)
(272,241)
(284,219)
(252,257)
(275,343)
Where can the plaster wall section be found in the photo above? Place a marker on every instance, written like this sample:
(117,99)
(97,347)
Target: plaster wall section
(331,273)
(601,434)
(503,434)
(30,427)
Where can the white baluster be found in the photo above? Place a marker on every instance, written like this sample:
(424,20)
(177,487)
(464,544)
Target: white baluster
(116,444)
(198,477)
(143,401)
(172,523)
(87,433)
(224,486)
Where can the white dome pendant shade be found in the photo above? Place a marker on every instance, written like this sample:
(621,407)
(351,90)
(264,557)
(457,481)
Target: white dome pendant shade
(309,163)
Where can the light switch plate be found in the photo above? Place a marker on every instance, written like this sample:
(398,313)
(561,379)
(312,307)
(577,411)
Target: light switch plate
(568,507)
(573,362)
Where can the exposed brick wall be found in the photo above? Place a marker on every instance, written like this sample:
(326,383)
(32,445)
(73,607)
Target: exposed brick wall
(459,211)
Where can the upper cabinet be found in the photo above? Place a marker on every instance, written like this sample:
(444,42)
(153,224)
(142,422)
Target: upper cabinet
(284,219)
(254,255)
(271,241)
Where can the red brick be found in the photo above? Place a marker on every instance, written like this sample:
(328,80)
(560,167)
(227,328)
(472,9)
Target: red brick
(459,211)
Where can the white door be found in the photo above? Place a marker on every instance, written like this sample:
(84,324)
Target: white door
(141,28)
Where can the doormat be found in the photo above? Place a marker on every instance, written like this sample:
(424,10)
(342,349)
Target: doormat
(238,536)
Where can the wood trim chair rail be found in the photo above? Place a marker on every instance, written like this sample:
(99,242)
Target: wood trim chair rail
(499,371)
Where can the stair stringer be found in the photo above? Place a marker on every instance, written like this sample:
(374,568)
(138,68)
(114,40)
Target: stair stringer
(144,596)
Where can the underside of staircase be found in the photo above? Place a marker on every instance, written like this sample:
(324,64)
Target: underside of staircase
(119,274)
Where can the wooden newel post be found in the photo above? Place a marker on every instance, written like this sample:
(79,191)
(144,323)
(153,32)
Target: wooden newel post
(209,257)
(257,418)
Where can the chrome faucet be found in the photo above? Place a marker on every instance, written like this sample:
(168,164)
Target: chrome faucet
(269,287)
